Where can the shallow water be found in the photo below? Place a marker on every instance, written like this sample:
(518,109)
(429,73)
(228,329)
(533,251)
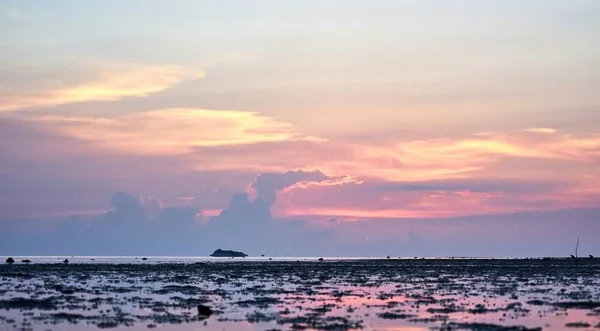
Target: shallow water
(250,294)
(186,259)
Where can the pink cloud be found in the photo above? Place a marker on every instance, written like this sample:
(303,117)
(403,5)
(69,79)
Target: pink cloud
(492,173)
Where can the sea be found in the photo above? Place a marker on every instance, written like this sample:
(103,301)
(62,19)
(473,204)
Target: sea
(298,293)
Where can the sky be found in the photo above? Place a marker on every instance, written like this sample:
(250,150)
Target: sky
(294,128)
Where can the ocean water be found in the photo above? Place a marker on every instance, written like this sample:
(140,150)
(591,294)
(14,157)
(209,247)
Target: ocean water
(166,259)
(125,293)
(98,259)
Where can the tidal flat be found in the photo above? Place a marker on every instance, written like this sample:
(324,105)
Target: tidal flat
(375,294)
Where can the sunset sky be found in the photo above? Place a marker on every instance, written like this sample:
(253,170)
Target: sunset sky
(354,124)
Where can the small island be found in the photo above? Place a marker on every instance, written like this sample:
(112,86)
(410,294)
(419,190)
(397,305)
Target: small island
(224,253)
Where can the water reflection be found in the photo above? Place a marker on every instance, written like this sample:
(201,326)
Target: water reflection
(308,295)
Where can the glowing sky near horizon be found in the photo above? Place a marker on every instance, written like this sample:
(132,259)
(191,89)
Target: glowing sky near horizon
(387,109)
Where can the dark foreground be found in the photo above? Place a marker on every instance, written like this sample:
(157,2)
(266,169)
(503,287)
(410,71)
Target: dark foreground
(329,295)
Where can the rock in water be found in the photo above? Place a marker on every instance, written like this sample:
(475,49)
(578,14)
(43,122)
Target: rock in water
(144,259)
(26,261)
(320,259)
(204,311)
(225,253)
(66,261)
(10,260)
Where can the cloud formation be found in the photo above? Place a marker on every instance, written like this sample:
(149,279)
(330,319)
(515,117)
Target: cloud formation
(136,227)
(173,131)
(132,226)
(108,82)
(140,226)
(162,153)
(267,185)
(308,128)
(459,158)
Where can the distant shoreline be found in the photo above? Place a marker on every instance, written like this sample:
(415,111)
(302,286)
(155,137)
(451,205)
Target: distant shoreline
(100,259)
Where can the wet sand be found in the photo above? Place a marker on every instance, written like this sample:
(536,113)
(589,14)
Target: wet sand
(386,294)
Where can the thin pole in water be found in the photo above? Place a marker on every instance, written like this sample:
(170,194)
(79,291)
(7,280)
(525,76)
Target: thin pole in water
(576,249)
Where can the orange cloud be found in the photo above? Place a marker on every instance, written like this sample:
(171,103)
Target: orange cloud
(466,194)
(112,82)
(540,130)
(339,180)
(174,131)
(462,158)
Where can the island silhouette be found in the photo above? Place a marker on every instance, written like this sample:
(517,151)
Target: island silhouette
(227,253)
